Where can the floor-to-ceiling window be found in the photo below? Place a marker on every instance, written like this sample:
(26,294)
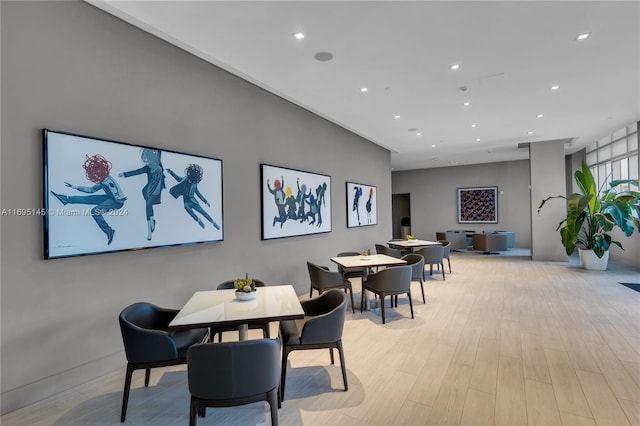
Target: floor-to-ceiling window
(615,156)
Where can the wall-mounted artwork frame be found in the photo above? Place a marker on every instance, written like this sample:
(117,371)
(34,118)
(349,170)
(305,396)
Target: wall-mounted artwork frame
(362,205)
(294,202)
(104,196)
(478,205)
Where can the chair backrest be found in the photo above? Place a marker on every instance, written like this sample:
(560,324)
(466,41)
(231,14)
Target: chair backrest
(393,279)
(348,253)
(321,277)
(342,271)
(233,369)
(416,262)
(227,285)
(382,249)
(447,248)
(144,333)
(328,312)
(431,254)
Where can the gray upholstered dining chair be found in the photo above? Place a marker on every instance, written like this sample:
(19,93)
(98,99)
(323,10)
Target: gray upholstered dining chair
(233,373)
(416,262)
(382,249)
(228,285)
(322,279)
(321,328)
(148,344)
(389,282)
(403,251)
(447,251)
(432,256)
(346,274)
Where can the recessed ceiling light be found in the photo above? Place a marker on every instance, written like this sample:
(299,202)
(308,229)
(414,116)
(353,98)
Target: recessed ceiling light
(539,115)
(473,125)
(555,87)
(323,56)
(455,67)
(396,116)
(299,36)
(582,36)
(478,140)
(467,103)
(433,146)
(364,89)
(529,132)
(418,134)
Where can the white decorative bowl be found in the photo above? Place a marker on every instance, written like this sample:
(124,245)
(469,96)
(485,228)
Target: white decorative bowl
(246,295)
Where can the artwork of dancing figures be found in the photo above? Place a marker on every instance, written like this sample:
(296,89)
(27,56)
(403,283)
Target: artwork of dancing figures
(102,196)
(361,205)
(294,202)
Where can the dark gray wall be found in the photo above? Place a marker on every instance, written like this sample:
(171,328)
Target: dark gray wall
(68,66)
(434,197)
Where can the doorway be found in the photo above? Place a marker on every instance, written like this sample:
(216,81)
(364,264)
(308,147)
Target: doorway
(400,213)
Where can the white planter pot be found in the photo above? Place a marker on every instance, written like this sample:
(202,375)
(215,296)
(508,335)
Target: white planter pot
(590,261)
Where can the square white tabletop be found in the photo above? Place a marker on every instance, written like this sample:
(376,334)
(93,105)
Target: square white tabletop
(221,308)
(413,243)
(364,262)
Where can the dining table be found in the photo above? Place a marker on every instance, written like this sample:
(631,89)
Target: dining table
(412,244)
(220,308)
(365,263)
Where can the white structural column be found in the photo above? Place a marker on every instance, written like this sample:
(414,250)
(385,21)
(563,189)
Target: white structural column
(548,177)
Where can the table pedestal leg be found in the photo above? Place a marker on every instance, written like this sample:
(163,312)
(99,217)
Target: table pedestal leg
(368,304)
(243,330)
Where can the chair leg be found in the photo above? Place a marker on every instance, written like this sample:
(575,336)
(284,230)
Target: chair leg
(362,299)
(422,289)
(449,262)
(272,399)
(331,353)
(411,301)
(310,292)
(442,263)
(382,306)
(125,392)
(279,398)
(344,367)
(353,308)
(147,376)
(283,377)
(193,410)
(266,331)
(431,269)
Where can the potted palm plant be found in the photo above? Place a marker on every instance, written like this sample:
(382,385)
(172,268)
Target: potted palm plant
(593,213)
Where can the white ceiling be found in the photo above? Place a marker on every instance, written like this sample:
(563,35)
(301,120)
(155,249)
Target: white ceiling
(510,54)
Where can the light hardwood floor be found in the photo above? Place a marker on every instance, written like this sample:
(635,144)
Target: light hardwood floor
(503,341)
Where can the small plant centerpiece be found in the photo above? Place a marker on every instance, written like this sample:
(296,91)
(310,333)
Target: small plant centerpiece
(410,237)
(593,213)
(245,288)
(365,252)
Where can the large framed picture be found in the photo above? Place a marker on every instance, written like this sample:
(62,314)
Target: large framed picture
(294,202)
(361,205)
(104,196)
(478,205)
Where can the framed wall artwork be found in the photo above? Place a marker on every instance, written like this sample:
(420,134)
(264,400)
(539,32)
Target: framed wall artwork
(478,205)
(104,196)
(361,205)
(294,202)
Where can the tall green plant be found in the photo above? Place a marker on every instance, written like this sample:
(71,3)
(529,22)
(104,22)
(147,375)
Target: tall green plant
(592,214)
